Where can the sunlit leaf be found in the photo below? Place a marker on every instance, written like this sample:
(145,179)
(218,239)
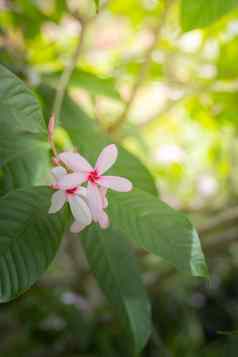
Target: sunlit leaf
(91,82)
(201,13)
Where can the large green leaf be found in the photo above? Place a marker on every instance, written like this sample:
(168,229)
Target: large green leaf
(201,13)
(114,265)
(31,170)
(23,135)
(158,228)
(90,140)
(29,239)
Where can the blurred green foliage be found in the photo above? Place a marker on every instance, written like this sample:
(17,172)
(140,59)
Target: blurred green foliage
(183,125)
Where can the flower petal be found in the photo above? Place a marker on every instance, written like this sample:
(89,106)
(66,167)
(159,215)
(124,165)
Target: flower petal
(71,180)
(81,191)
(80,210)
(58,172)
(103,220)
(106,159)
(94,200)
(77,227)
(57,201)
(116,183)
(103,191)
(75,161)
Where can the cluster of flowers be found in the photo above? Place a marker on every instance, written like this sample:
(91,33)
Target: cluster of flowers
(88,203)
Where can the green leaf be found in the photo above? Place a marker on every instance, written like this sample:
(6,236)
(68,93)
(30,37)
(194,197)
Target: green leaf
(91,82)
(23,135)
(90,140)
(201,13)
(97,4)
(94,84)
(29,239)
(114,265)
(33,169)
(29,17)
(158,228)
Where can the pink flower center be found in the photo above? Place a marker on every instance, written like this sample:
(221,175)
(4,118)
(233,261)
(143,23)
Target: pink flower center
(71,191)
(93,176)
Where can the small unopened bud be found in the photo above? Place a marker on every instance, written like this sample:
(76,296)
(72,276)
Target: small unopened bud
(51,127)
(55,161)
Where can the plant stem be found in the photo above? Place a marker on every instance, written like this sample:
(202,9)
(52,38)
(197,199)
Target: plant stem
(65,78)
(143,70)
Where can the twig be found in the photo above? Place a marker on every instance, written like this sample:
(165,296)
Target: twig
(221,241)
(159,344)
(64,80)
(227,217)
(169,105)
(143,70)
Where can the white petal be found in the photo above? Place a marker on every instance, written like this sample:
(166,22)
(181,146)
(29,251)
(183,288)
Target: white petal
(82,191)
(103,192)
(103,220)
(75,161)
(71,180)
(77,227)
(80,210)
(57,201)
(106,159)
(116,183)
(58,172)
(94,200)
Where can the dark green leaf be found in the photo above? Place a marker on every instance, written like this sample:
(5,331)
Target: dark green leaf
(31,170)
(29,239)
(115,268)
(158,228)
(201,13)
(23,135)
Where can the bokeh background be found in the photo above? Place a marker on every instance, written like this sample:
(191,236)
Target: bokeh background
(171,98)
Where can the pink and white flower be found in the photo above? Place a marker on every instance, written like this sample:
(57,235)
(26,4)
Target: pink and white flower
(97,183)
(74,195)
(102,217)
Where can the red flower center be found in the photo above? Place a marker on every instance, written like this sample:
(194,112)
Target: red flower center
(93,176)
(71,191)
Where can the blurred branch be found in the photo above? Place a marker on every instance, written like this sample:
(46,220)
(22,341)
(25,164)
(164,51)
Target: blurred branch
(96,114)
(143,70)
(228,217)
(218,86)
(169,105)
(72,252)
(158,342)
(215,245)
(225,86)
(65,78)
